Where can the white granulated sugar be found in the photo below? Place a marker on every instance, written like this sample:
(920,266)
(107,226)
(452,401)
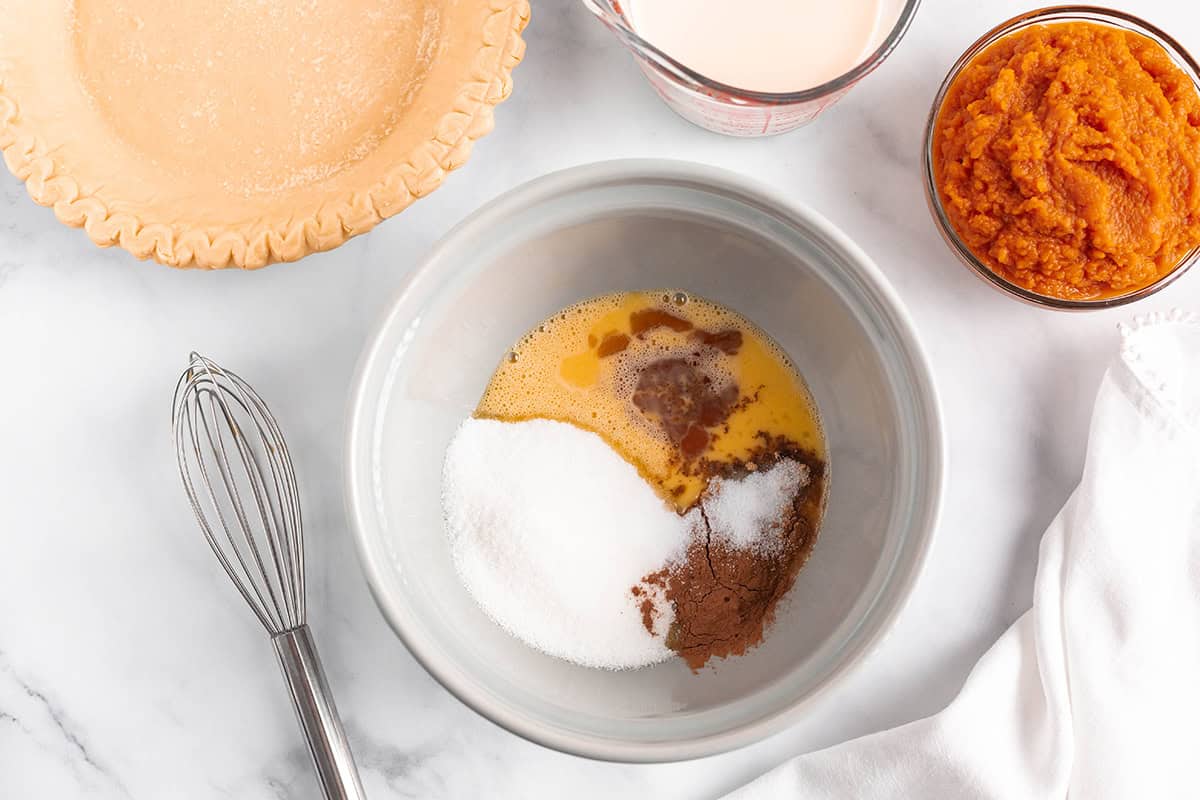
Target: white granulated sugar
(550,530)
(746,513)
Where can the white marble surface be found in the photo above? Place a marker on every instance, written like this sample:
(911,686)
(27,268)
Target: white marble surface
(130,669)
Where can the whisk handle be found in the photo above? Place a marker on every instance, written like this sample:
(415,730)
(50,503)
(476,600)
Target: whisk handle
(318,715)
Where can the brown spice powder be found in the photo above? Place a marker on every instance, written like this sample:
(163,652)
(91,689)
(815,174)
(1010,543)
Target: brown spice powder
(724,598)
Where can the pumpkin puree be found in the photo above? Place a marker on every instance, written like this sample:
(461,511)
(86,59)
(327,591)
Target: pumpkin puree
(1067,157)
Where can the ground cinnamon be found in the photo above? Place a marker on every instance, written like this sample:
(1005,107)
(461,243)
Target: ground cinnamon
(724,598)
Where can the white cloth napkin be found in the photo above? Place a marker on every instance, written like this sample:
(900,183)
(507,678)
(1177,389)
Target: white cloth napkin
(1095,691)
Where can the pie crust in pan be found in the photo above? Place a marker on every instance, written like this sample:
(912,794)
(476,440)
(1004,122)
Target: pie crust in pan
(218,133)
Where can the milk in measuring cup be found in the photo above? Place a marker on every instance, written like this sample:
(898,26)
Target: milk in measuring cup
(763,45)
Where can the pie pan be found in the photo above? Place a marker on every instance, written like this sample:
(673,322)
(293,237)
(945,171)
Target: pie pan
(210,134)
(627,226)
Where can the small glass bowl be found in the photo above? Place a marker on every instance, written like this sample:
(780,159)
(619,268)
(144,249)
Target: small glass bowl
(1103,16)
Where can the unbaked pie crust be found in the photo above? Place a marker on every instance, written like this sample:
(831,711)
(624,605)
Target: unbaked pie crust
(217,133)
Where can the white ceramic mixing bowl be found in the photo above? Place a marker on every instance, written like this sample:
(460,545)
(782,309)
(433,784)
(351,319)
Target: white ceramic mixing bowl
(641,225)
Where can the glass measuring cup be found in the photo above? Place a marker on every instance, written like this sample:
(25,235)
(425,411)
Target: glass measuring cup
(740,112)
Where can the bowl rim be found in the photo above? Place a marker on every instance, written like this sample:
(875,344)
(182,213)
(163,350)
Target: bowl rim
(357,459)
(1060,13)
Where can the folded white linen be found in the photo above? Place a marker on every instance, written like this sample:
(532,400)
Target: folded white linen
(1093,693)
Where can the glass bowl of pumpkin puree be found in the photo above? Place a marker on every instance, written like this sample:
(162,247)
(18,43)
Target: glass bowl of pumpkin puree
(1062,158)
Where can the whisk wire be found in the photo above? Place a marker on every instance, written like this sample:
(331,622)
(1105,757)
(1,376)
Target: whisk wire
(284,476)
(197,425)
(266,508)
(216,439)
(228,439)
(209,535)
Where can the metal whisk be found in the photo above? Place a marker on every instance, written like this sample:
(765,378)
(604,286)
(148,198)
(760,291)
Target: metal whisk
(239,478)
